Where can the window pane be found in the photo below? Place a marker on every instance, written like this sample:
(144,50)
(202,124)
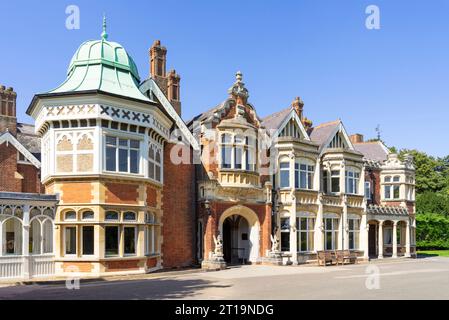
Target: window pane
(88,215)
(111,240)
(129,216)
(111,215)
(303,241)
(88,240)
(130,238)
(123,142)
(285,241)
(238,154)
(226,157)
(151,170)
(158,173)
(134,155)
(396,192)
(135,144)
(285,223)
(70,215)
(110,159)
(70,240)
(35,235)
(111,140)
(123,160)
(335,184)
(48,236)
(303,179)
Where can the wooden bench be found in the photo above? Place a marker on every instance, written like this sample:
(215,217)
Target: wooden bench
(326,257)
(345,256)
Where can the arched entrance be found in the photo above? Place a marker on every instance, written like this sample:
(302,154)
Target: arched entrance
(240,229)
(372,239)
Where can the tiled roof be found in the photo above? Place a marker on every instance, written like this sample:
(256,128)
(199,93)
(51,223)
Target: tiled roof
(321,133)
(27,138)
(205,115)
(274,120)
(373,150)
(386,210)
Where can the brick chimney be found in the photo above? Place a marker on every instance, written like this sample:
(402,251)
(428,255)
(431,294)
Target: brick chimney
(173,90)
(8,120)
(356,138)
(158,63)
(298,105)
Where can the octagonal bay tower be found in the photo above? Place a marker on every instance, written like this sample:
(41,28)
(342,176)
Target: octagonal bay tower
(106,145)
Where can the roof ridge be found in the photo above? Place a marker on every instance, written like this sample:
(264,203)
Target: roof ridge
(325,124)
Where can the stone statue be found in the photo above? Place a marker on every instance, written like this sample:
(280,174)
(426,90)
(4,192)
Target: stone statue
(218,246)
(274,243)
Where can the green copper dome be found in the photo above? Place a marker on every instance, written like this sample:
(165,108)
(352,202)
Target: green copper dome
(105,66)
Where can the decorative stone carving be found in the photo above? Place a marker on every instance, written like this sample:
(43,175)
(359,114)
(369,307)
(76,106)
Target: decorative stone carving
(274,244)
(218,252)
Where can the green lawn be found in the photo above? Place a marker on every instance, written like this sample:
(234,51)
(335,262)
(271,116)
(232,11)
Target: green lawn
(441,253)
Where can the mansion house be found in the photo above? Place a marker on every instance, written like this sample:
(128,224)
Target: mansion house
(111,180)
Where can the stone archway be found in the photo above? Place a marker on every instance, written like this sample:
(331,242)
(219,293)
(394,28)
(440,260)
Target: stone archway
(245,219)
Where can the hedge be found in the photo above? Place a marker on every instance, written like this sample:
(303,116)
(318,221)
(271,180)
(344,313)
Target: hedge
(432,231)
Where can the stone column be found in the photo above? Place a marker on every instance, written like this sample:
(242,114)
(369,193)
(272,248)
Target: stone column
(364,236)
(319,227)
(395,239)
(25,242)
(381,240)
(407,240)
(345,225)
(293,234)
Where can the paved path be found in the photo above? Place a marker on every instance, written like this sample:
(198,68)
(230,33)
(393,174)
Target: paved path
(398,279)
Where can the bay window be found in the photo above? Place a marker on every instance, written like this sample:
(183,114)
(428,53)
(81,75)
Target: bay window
(70,240)
(330,233)
(111,240)
(352,181)
(354,233)
(88,240)
(305,228)
(155,163)
(284,175)
(392,191)
(238,152)
(303,176)
(130,240)
(335,181)
(285,234)
(122,155)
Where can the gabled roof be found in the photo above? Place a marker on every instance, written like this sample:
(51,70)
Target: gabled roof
(277,122)
(321,133)
(9,138)
(324,133)
(372,150)
(274,121)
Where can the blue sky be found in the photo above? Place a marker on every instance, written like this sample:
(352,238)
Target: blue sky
(397,76)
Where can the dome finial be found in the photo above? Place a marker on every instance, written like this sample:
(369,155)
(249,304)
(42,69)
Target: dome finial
(104,34)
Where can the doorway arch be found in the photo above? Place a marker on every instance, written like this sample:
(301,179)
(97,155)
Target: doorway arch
(246,225)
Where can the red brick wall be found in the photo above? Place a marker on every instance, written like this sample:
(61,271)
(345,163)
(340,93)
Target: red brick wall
(178,212)
(122,265)
(8,168)
(31,180)
(374,178)
(211,222)
(121,193)
(151,197)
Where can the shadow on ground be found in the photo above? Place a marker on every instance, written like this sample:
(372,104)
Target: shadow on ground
(426,255)
(154,289)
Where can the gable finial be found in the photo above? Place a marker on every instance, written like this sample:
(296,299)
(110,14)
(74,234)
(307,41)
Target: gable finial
(104,34)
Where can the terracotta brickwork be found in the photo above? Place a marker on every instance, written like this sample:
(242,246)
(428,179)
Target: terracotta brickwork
(151,262)
(373,176)
(151,197)
(178,212)
(121,193)
(77,267)
(76,192)
(122,265)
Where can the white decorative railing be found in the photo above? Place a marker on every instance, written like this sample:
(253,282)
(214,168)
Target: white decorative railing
(11,267)
(42,266)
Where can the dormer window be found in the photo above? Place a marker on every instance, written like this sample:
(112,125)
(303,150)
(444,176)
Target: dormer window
(237,152)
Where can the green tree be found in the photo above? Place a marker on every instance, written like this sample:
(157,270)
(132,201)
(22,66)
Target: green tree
(431,173)
(432,202)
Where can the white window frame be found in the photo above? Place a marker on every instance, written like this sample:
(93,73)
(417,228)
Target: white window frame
(368,188)
(355,232)
(287,169)
(309,172)
(352,180)
(309,229)
(334,232)
(135,240)
(157,148)
(128,148)
(76,241)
